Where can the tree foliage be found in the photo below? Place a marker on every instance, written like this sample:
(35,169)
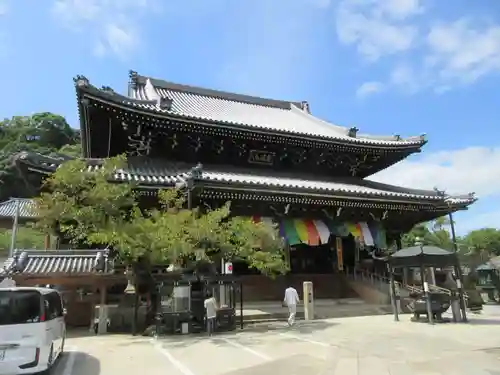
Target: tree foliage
(86,207)
(79,200)
(26,238)
(46,133)
(474,248)
(435,233)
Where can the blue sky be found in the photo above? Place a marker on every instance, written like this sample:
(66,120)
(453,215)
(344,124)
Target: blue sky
(386,66)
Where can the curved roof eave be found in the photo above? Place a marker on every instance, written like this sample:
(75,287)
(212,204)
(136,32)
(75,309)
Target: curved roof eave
(169,175)
(151,107)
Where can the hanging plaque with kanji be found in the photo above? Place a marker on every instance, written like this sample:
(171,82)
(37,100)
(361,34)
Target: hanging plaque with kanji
(340,258)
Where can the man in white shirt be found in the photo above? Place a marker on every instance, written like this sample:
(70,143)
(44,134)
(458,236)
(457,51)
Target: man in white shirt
(211,313)
(291,300)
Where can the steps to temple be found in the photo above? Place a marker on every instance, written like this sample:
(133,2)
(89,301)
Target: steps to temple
(327,286)
(323,309)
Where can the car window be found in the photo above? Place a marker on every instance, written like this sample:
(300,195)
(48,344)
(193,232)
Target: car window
(19,307)
(53,306)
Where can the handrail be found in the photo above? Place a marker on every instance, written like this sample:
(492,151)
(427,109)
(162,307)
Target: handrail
(366,275)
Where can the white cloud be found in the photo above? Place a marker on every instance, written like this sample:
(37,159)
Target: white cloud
(468,170)
(369,88)
(377,27)
(443,55)
(461,53)
(472,169)
(112,24)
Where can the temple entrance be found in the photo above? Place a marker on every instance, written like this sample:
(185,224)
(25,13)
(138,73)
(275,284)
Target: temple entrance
(311,259)
(305,259)
(323,259)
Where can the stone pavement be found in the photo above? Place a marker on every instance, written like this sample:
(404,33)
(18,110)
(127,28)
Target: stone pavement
(323,309)
(346,346)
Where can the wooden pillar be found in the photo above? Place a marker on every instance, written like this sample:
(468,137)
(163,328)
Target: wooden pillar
(46,241)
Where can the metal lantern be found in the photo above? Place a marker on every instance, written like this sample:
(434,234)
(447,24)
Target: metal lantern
(130,289)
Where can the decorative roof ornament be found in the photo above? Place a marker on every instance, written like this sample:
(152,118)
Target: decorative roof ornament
(353,132)
(397,137)
(81,81)
(196,172)
(165,103)
(107,90)
(441,193)
(133,78)
(305,107)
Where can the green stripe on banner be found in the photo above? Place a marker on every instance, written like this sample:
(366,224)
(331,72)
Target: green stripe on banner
(291,234)
(337,229)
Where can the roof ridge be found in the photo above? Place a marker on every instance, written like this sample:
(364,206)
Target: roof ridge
(220,94)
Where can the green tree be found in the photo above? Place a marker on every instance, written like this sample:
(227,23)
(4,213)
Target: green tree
(479,245)
(433,233)
(86,207)
(78,201)
(26,238)
(71,150)
(46,133)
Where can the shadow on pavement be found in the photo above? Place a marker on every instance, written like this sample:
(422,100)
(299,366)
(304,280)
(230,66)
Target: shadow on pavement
(300,326)
(242,336)
(81,364)
(73,333)
(485,322)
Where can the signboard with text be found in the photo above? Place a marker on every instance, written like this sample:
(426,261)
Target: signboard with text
(340,258)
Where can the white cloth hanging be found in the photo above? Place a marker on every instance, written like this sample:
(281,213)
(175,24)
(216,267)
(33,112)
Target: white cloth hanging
(367,235)
(323,231)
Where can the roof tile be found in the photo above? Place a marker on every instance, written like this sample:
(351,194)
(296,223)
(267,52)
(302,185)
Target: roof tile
(57,261)
(8,208)
(225,108)
(159,172)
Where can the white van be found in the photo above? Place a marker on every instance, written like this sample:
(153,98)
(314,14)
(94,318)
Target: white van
(32,330)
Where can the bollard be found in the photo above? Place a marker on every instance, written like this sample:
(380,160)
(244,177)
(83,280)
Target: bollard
(308,300)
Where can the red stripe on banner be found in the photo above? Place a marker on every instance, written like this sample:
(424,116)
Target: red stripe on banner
(312,233)
(358,227)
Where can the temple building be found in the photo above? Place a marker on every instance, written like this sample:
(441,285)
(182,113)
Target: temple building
(273,159)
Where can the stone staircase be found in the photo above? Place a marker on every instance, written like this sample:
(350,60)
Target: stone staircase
(323,309)
(373,288)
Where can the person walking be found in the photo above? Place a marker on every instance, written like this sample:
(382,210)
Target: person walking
(211,312)
(291,300)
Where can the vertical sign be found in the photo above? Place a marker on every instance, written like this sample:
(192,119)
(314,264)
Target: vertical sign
(340,258)
(228,268)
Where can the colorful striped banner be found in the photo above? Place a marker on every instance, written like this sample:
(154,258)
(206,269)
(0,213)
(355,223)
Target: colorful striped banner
(312,233)
(318,232)
(291,235)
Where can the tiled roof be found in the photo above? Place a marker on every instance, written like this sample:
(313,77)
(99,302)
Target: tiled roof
(8,208)
(47,262)
(246,111)
(157,172)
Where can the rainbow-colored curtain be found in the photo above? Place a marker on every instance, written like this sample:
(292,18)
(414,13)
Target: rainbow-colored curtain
(318,232)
